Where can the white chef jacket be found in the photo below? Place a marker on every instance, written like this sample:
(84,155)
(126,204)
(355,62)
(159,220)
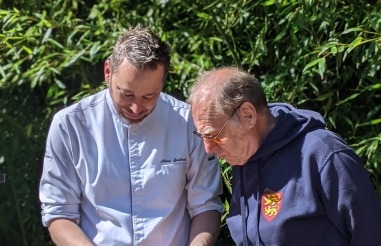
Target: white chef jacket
(128,184)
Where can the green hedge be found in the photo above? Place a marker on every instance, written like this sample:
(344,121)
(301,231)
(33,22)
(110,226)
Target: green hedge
(322,55)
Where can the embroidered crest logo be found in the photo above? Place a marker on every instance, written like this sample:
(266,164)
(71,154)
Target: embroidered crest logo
(271,204)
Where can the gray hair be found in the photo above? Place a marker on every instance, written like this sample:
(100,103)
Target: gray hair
(142,48)
(224,93)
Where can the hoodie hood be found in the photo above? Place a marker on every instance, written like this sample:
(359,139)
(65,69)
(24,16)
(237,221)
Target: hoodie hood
(290,123)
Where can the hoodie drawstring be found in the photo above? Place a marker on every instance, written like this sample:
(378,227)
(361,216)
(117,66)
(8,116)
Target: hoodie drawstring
(243,210)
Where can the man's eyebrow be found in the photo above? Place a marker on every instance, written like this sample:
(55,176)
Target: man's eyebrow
(124,90)
(208,131)
(131,92)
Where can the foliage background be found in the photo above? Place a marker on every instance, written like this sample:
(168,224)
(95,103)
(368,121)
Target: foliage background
(321,55)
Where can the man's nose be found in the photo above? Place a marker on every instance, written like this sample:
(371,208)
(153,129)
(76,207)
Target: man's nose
(136,107)
(210,147)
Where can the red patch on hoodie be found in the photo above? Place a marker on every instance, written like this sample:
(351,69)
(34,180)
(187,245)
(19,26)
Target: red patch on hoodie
(271,203)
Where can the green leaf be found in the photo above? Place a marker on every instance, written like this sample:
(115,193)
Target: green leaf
(313,63)
(74,58)
(203,15)
(324,97)
(334,50)
(351,97)
(322,68)
(269,2)
(372,122)
(47,35)
(29,51)
(375,86)
(354,29)
(354,44)
(55,43)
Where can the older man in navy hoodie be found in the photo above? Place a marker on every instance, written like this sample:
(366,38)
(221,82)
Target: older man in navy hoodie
(294,181)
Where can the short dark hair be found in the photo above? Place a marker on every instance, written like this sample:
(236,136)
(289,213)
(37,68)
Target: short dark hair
(144,49)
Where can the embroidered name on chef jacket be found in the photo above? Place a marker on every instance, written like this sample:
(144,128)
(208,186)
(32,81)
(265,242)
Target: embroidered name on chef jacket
(175,160)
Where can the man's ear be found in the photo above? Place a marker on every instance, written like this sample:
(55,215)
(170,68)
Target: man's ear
(107,71)
(248,113)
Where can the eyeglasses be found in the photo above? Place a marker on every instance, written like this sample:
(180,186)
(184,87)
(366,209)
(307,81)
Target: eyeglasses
(215,139)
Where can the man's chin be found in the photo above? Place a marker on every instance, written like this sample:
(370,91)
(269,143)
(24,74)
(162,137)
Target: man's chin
(134,121)
(236,162)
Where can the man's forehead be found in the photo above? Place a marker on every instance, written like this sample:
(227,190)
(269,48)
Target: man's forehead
(205,118)
(201,113)
(202,110)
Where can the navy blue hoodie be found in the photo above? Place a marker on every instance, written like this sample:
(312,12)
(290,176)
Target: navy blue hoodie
(304,186)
